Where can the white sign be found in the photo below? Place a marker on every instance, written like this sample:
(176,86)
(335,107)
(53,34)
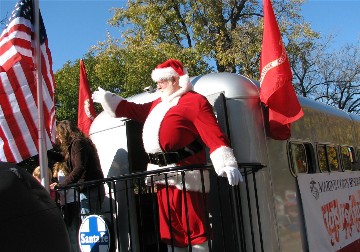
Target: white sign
(94,235)
(331,204)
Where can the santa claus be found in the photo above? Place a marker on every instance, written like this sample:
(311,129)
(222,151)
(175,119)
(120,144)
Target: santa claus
(176,126)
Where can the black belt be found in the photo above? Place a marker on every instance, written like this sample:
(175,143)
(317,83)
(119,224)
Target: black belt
(166,158)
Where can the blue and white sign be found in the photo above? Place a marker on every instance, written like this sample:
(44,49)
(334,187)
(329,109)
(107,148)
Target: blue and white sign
(94,235)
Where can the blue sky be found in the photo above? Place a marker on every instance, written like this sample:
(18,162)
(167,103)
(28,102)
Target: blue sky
(74,26)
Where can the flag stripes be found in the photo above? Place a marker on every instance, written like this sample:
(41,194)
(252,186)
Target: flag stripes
(19,115)
(15,43)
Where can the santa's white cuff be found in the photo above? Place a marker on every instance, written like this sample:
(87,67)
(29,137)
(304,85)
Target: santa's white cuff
(223,157)
(110,103)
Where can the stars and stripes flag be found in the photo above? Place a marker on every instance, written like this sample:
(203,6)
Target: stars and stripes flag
(276,89)
(19,113)
(86,109)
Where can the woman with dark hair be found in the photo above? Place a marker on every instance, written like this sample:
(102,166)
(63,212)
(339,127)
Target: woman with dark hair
(83,162)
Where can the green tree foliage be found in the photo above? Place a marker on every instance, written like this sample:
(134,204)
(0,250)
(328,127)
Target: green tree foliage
(218,35)
(67,87)
(66,92)
(206,35)
(135,61)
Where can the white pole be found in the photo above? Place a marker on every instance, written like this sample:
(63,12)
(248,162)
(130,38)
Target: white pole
(43,161)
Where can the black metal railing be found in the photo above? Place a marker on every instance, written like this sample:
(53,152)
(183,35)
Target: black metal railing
(130,208)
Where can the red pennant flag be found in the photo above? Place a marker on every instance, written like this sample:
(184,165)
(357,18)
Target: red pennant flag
(86,109)
(276,89)
(19,118)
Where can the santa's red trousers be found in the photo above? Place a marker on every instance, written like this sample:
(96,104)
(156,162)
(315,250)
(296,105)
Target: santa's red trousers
(196,213)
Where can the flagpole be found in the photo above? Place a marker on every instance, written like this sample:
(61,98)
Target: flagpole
(43,161)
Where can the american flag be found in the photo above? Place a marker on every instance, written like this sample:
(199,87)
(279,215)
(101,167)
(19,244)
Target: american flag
(18,86)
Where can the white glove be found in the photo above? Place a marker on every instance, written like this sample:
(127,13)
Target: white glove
(233,174)
(108,100)
(98,95)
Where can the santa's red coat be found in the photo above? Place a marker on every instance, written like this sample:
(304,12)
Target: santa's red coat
(169,126)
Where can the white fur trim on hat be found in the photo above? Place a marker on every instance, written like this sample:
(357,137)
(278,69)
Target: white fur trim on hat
(163,74)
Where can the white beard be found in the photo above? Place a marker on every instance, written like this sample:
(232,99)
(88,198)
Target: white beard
(164,95)
(152,125)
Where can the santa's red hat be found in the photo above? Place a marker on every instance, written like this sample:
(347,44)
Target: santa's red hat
(173,68)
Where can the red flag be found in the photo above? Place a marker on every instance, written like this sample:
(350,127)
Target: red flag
(86,109)
(276,89)
(18,86)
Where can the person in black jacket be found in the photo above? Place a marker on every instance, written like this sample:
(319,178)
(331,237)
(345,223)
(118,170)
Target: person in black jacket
(81,157)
